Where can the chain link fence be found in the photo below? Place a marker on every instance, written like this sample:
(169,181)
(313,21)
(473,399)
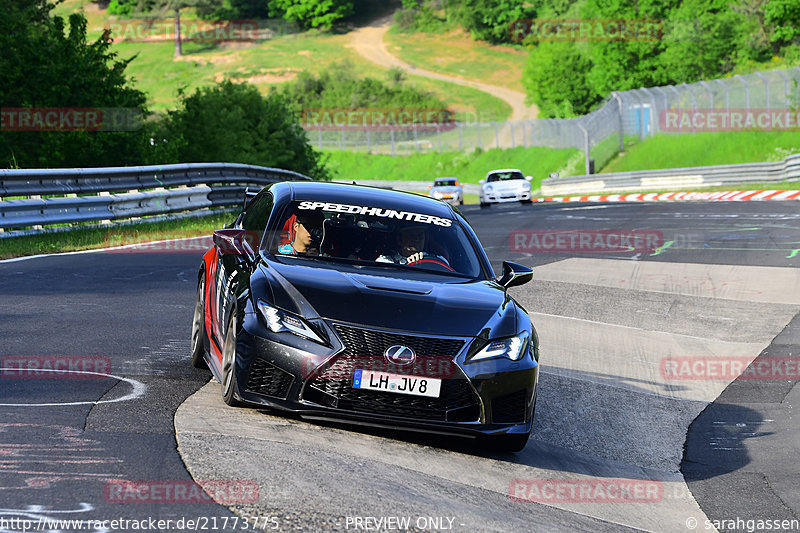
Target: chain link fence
(728,104)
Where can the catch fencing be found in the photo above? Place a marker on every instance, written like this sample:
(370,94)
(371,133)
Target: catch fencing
(639,113)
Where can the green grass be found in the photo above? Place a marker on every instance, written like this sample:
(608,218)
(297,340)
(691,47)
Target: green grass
(455,53)
(91,238)
(467,167)
(704,149)
(264,64)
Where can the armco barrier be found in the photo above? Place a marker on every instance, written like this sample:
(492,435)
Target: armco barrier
(676,178)
(94,194)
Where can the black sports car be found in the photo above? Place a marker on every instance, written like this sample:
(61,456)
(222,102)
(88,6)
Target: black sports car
(369,306)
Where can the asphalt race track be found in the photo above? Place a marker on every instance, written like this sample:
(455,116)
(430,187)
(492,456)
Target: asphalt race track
(635,347)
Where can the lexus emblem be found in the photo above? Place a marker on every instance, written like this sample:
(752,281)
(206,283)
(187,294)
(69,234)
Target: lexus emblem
(400,355)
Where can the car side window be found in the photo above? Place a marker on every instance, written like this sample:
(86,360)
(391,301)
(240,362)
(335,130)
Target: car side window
(256,216)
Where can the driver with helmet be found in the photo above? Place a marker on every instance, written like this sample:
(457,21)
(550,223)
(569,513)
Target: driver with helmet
(411,244)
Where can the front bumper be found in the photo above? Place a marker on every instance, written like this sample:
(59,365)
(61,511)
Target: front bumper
(486,398)
(497,198)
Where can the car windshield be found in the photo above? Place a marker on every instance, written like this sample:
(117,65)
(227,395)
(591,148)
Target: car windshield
(446,183)
(505,176)
(375,236)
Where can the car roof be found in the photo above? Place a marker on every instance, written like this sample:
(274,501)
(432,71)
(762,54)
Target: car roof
(342,193)
(445,178)
(499,171)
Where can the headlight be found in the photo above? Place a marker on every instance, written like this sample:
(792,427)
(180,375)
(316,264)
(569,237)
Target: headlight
(488,188)
(511,348)
(278,321)
(437,195)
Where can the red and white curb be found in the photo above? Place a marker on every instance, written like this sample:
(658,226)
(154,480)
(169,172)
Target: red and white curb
(723,196)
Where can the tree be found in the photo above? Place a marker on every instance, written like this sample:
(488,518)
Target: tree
(555,79)
(233,122)
(783,17)
(312,13)
(174,8)
(47,63)
(702,39)
(489,20)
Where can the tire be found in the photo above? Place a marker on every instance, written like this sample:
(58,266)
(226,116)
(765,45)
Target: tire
(229,384)
(199,326)
(509,443)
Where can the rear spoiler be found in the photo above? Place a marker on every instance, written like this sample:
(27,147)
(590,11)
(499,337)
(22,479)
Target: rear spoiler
(248,195)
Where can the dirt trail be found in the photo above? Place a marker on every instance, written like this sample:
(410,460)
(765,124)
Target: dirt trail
(368,42)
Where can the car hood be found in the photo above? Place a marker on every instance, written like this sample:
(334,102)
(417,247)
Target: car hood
(432,307)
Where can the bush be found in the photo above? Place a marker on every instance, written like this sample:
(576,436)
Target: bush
(47,63)
(233,122)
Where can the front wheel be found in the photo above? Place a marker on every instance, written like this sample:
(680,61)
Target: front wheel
(229,385)
(199,326)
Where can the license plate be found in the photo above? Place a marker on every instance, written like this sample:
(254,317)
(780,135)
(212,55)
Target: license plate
(399,384)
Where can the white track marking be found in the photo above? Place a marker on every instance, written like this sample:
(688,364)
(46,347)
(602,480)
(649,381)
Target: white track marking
(138,389)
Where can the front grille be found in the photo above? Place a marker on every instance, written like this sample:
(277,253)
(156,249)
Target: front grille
(510,408)
(333,385)
(268,380)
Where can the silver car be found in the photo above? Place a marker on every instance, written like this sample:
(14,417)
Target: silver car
(447,189)
(505,185)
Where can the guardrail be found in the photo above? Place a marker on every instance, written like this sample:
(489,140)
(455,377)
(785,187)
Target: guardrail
(674,179)
(96,194)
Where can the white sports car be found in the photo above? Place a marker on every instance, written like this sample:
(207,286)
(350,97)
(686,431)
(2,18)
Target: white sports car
(506,185)
(447,189)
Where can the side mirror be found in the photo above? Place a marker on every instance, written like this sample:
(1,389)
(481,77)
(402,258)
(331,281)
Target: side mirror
(235,242)
(514,274)
(529,178)
(482,182)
